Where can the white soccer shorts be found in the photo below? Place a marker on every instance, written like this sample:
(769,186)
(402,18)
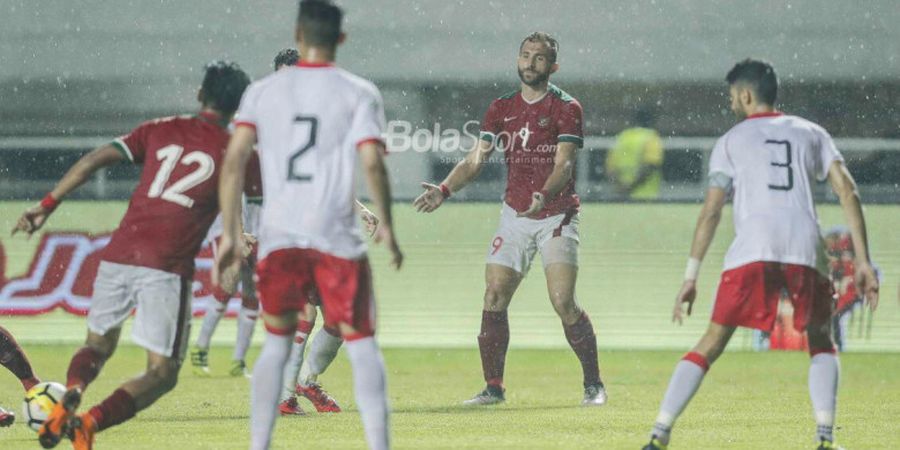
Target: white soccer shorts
(162,321)
(518,239)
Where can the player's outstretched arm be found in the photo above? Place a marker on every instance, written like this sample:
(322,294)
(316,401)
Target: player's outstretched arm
(35,217)
(231,185)
(707,222)
(380,189)
(563,169)
(462,174)
(845,188)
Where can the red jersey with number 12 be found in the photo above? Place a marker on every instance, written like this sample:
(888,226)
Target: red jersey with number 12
(176,199)
(528,133)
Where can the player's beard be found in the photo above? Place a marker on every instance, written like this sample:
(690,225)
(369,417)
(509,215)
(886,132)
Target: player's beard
(539,78)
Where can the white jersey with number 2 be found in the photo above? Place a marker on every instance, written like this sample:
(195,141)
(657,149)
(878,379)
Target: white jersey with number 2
(310,120)
(773,160)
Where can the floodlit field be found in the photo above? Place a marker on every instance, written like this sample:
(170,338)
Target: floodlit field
(632,260)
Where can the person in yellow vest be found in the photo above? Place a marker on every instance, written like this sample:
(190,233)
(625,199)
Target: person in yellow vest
(634,163)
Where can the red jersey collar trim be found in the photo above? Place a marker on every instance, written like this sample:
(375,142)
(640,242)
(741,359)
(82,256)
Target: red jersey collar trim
(314,64)
(765,114)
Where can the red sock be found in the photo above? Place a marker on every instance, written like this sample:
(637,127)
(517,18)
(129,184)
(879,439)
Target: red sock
(583,341)
(493,343)
(304,326)
(84,368)
(13,358)
(117,408)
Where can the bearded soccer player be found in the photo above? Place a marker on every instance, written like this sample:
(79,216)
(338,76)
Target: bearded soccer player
(539,129)
(149,261)
(13,358)
(312,124)
(769,162)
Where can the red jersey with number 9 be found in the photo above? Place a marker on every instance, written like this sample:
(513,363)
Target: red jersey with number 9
(176,199)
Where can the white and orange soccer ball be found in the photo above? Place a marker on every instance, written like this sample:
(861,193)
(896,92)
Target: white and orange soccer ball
(39,401)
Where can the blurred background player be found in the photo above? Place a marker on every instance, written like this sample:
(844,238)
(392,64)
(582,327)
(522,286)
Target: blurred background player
(769,161)
(634,163)
(13,358)
(312,123)
(539,129)
(149,261)
(841,257)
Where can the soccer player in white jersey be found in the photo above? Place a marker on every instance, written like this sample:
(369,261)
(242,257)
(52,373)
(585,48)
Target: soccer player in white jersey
(312,124)
(768,162)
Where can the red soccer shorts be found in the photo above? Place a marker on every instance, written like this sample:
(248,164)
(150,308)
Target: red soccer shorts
(287,278)
(748,296)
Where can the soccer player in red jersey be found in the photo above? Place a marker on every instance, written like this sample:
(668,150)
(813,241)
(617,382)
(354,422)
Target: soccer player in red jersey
(768,162)
(13,358)
(539,128)
(149,261)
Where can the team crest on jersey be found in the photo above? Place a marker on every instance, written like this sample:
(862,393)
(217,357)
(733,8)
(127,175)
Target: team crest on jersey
(543,122)
(62,271)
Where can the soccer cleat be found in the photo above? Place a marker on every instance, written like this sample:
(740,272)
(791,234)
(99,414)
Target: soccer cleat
(655,444)
(290,407)
(318,397)
(491,395)
(6,418)
(828,445)
(57,423)
(239,368)
(594,395)
(200,361)
(84,427)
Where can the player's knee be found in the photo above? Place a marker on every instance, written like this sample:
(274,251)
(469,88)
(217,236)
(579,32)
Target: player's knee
(164,376)
(496,297)
(249,302)
(567,309)
(820,340)
(103,345)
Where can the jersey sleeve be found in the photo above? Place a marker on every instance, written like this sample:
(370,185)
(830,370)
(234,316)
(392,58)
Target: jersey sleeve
(569,124)
(719,161)
(368,121)
(653,151)
(492,123)
(134,144)
(826,153)
(247,111)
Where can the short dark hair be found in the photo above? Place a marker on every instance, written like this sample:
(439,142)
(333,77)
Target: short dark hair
(286,57)
(223,85)
(320,22)
(540,36)
(759,75)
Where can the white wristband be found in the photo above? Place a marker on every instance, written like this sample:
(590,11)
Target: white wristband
(692,270)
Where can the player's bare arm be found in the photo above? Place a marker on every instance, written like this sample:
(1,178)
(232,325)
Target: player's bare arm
(707,222)
(35,217)
(368,217)
(845,188)
(563,169)
(231,185)
(462,174)
(371,154)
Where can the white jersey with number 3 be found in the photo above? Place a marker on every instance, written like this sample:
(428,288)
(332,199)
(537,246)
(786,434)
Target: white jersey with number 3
(309,122)
(773,160)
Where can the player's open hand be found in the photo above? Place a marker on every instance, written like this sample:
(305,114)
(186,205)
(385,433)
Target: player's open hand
(430,200)
(32,220)
(867,284)
(370,219)
(537,204)
(687,294)
(386,234)
(228,259)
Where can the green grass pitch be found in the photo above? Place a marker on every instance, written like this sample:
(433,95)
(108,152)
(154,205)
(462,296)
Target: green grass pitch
(632,258)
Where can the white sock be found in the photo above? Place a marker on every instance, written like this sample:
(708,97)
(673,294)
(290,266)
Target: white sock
(246,325)
(214,312)
(684,383)
(264,389)
(292,368)
(824,374)
(370,390)
(322,351)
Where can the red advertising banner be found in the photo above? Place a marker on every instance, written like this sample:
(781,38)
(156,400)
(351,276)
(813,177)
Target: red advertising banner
(62,271)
